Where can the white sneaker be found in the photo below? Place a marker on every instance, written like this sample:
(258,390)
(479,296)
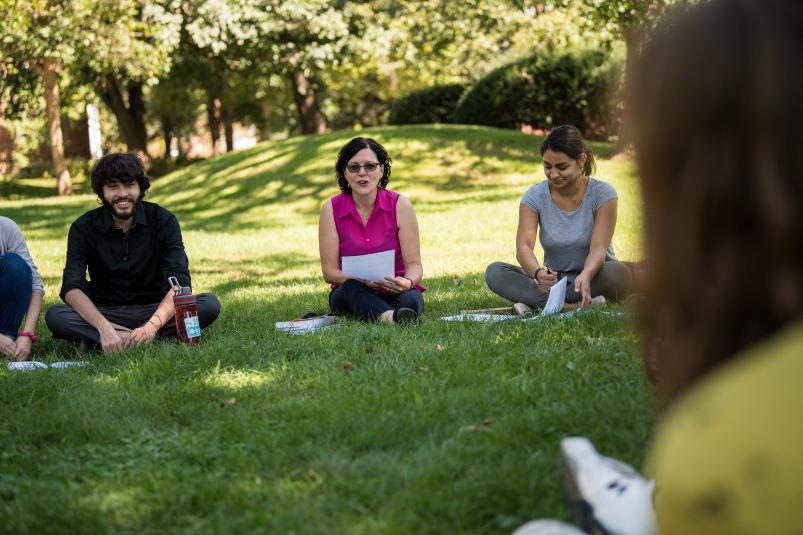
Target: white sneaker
(607,496)
(548,527)
(598,300)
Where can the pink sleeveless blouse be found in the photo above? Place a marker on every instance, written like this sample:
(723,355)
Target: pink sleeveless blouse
(381,233)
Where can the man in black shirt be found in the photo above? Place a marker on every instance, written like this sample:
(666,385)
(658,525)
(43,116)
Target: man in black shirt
(130,247)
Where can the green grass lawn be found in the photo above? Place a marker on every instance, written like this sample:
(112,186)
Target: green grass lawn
(439,428)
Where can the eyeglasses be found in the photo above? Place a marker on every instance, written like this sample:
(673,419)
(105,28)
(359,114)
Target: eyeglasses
(369,167)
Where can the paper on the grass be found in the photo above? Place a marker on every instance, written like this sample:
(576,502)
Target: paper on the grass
(484,317)
(26,365)
(68,364)
(557,297)
(372,267)
(307,325)
(34,364)
(491,318)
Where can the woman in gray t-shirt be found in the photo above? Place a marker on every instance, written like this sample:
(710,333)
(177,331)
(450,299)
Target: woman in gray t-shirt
(576,216)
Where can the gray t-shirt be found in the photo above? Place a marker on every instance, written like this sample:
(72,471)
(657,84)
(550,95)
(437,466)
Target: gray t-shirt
(566,236)
(11,241)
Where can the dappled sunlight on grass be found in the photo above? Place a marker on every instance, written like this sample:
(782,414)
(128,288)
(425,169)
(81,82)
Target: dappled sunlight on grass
(238,379)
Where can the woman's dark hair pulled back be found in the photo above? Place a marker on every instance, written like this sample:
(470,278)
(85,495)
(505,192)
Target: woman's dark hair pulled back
(567,139)
(353,147)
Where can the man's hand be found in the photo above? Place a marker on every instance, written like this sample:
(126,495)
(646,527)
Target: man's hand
(110,341)
(141,335)
(7,346)
(23,349)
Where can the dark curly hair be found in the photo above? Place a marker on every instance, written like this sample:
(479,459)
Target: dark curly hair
(353,147)
(119,166)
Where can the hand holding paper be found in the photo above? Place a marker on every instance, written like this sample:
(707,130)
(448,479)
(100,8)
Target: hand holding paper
(371,267)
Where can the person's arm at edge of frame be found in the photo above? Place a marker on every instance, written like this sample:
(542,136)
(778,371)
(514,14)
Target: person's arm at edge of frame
(174,262)
(23,344)
(525,247)
(73,291)
(604,225)
(410,243)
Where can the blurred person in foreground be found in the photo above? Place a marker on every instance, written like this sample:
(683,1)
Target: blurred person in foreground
(367,218)
(129,247)
(717,109)
(21,292)
(719,154)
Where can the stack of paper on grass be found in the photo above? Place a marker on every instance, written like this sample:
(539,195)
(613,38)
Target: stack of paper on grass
(35,364)
(307,325)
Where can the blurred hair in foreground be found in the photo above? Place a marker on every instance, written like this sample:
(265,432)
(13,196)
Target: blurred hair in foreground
(716,114)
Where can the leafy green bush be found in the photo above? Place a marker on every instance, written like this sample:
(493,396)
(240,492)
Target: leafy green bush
(580,87)
(430,105)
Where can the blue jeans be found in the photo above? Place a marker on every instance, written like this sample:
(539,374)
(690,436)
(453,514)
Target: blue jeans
(15,292)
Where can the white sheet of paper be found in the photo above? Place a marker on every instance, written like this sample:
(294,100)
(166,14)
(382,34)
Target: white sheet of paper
(68,364)
(482,317)
(26,365)
(557,296)
(34,364)
(307,325)
(372,267)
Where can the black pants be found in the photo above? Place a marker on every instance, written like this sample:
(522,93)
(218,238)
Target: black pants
(356,298)
(64,322)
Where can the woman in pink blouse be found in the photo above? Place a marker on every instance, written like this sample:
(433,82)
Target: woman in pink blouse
(366,218)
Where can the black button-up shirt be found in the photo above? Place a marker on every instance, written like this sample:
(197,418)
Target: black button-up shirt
(125,268)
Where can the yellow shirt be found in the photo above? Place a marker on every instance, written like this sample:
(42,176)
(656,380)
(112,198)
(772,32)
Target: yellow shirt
(729,457)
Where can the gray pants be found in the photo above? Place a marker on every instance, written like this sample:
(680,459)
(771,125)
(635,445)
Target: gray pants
(512,283)
(64,322)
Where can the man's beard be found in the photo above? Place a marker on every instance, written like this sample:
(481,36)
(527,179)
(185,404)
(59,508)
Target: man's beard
(123,216)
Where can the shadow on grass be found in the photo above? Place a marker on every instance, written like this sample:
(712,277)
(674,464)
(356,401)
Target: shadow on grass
(239,190)
(233,187)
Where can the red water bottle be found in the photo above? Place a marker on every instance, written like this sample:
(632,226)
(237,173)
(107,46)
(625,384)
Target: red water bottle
(187,324)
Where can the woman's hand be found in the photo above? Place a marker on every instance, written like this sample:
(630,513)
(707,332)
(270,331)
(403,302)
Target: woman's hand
(23,348)
(7,346)
(395,285)
(546,279)
(582,285)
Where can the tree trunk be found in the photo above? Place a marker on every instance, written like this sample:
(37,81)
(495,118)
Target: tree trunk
(131,117)
(264,129)
(213,116)
(309,112)
(228,126)
(49,69)
(634,37)
(167,134)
